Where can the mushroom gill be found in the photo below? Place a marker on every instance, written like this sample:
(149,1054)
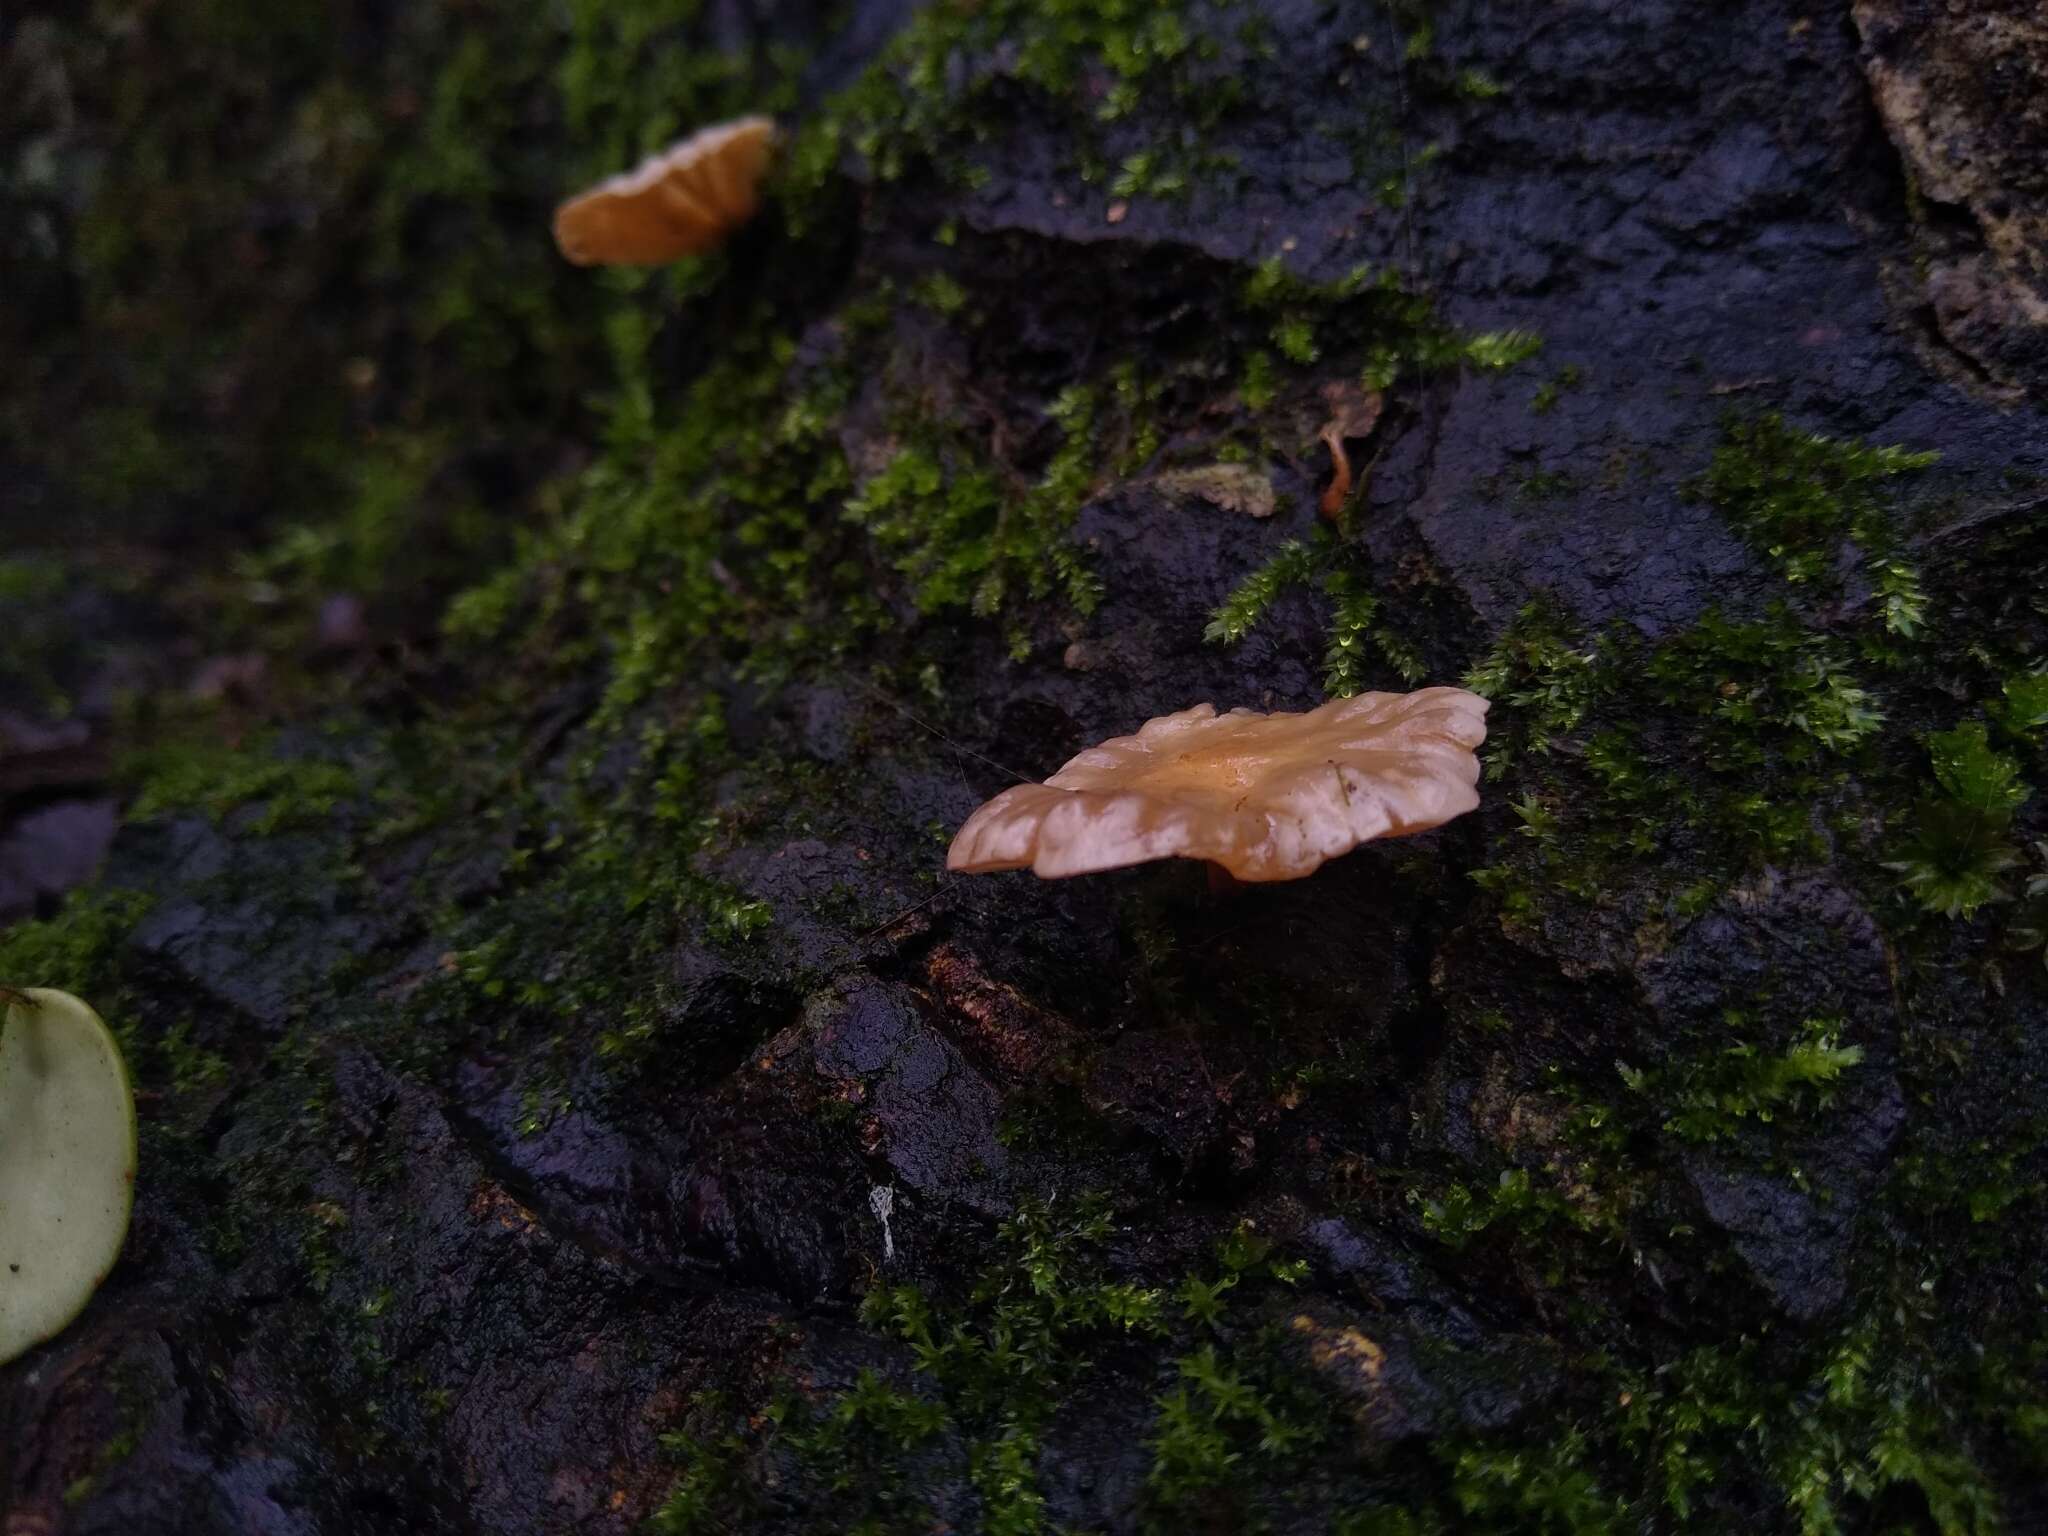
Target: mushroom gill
(682,202)
(1263,797)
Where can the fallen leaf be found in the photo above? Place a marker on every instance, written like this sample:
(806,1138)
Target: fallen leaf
(1233,487)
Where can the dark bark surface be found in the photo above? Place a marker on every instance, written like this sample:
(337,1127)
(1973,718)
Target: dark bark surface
(534,707)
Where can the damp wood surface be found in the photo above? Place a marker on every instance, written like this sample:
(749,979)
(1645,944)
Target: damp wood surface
(486,734)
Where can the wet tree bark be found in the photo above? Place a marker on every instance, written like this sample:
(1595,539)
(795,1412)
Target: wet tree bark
(492,1183)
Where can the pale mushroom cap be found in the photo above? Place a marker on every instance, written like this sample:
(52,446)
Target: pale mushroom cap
(1267,797)
(681,202)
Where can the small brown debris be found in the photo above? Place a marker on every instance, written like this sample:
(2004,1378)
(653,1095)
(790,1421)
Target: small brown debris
(1021,1041)
(1118,211)
(1233,487)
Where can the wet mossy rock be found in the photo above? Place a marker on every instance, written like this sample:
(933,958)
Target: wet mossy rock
(67,1162)
(538,703)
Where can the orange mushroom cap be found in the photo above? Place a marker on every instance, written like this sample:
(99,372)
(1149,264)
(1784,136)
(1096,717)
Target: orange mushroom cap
(681,202)
(1266,797)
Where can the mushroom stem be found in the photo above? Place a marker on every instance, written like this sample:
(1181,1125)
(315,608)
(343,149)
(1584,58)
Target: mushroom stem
(1340,482)
(1221,881)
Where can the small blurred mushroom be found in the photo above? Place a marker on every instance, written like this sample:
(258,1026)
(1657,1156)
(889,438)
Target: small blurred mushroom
(1354,412)
(682,202)
(1260,797)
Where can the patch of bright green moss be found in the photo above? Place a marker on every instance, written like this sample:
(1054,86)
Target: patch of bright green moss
(918,107)
(1743,1084)
(990,1370)
(1355,635)
(75,950)
(1798,496)
(201,775)
(1740,739)
(1959,845)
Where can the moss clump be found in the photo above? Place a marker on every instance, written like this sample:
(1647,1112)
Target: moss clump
(1798,496)
(915,110)
(989,1373)
(197,774)
(1354,632)
(1098,77)
(75,951)
(1752,739)
(2024,706)
(1959,844)
(603,878)
(966,542)
(1713,1098)
(1720,743)
(1555,388)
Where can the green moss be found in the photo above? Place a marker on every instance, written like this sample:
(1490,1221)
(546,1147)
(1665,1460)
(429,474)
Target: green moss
(1713,1098)
(1554,389)
(1356,641)
(1841,1432)
(203,775)
(1750,722)
(607,874)
(917,109)
(1973,775)
(1255,385)
(1460,1214)
(1545,485)
(76,950)
(1293,564)
(964,541)
(990,1370)
(940,294)
(1959,845)
(1868,1426)
(1738,740)
(1224,1424)
(132,1409)
(2025,705)
(721,527)
(1798,495)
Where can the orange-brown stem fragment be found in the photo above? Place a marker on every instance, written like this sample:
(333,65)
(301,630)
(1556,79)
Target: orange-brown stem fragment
(1340,482)
(1354,412)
